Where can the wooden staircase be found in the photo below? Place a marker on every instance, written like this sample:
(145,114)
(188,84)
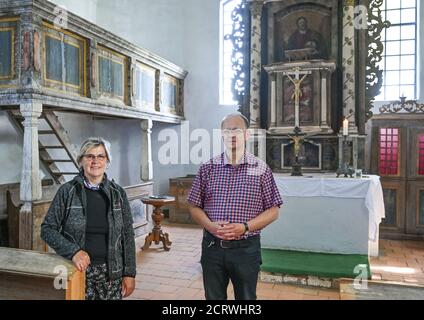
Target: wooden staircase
(52,162)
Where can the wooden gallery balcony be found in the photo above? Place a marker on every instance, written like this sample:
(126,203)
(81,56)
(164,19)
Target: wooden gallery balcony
(50,63)
(72,64)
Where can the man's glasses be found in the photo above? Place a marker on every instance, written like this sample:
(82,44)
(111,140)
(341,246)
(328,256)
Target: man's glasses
(91,157)
(229,132)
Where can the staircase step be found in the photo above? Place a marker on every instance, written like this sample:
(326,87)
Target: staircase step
(65,173)
(56,160)
(18,118)
(51,147)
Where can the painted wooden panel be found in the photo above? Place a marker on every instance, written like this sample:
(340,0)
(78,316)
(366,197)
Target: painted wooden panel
(72,75)
(169,94)
(111,77)
(8,48)
(138,209)
(64,61)
(141,213)
(53,59)
(421,154)
(390,205)
(145,86)
(421,207)
(6,53)
(310,155)
(112,74)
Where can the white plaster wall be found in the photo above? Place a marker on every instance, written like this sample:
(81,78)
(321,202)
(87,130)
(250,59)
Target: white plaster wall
(126,150)
(185,32)
(11,141)
(124,136)
(154,25)
(86,9)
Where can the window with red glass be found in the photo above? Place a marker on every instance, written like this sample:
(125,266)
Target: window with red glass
(389,151)
(421,154)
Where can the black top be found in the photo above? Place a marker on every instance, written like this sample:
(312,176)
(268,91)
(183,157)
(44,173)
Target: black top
(96,234)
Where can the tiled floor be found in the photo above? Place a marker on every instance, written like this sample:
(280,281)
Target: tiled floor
(399,261)
(177,274)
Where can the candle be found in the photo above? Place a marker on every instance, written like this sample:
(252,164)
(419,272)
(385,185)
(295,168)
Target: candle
(345,127)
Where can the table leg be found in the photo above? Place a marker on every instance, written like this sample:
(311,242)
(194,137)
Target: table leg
(157,235)
(148,241)
(166,236)
(165,241)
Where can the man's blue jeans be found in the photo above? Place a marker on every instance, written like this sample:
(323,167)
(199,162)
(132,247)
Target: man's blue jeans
(238,261)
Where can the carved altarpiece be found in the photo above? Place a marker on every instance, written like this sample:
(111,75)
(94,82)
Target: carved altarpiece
(311,65)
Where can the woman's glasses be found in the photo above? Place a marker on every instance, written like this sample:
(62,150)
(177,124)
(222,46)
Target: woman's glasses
(91,157)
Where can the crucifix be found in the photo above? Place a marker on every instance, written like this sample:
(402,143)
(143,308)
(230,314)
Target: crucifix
(297,94)
(298,138)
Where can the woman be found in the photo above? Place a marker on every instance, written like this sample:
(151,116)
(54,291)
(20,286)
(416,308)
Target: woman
(90,223)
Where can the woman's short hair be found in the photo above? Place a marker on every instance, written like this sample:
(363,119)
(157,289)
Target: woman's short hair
(94,142)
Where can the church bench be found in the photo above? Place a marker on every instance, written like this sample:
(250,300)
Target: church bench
(26,274)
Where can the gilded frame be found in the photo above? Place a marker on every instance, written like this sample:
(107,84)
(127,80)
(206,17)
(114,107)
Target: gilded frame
(143,68)
(49,30)
(106,53)
(174,82)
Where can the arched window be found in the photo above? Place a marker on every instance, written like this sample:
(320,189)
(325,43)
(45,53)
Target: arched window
(399,62)
(226,72)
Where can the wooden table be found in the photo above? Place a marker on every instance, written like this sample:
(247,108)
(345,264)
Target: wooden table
(157,235)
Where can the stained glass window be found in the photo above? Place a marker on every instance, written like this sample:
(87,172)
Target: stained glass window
(389,151)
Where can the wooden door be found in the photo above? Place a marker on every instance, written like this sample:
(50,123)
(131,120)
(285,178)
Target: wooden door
(388,161)
(397,156)
(415,182)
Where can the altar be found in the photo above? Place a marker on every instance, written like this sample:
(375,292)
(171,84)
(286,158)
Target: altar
(322,213)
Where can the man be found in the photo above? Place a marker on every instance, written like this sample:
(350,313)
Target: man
(304,37)
(233,197)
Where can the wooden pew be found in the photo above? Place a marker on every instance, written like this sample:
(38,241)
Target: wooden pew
(25,233)
(31,275)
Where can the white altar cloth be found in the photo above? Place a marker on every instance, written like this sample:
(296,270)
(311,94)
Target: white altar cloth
(322,213)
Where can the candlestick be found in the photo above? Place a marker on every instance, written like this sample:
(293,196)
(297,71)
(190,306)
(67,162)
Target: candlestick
(345,127)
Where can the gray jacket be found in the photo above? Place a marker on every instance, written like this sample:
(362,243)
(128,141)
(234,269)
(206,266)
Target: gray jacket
(64,226)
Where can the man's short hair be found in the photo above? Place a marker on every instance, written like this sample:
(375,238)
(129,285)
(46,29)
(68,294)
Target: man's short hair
(234,115)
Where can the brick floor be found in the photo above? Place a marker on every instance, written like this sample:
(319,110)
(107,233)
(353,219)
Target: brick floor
(177,274)
(399,261)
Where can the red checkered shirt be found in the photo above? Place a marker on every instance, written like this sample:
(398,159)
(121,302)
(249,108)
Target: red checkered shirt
(235,194)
